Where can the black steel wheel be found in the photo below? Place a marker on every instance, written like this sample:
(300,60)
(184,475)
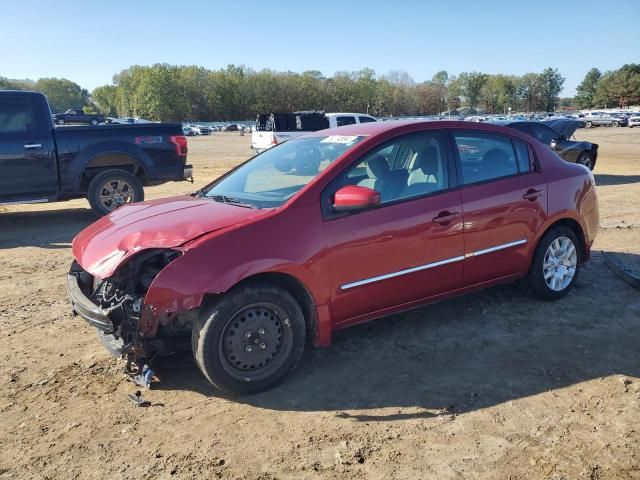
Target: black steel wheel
(255,341)
(250,339)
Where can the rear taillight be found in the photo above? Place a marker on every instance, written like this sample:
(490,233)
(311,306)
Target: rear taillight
(274,140)
(180,141)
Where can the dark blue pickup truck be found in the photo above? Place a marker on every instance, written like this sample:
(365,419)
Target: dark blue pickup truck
(107,164)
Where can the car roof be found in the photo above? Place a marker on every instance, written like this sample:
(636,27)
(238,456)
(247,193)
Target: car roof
(402,126)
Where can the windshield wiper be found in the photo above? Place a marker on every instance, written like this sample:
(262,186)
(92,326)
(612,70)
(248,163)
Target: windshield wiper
(231,201)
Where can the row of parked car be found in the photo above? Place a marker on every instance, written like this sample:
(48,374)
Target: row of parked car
(193,130)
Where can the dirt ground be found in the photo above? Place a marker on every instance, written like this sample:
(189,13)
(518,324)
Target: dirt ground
(490,385)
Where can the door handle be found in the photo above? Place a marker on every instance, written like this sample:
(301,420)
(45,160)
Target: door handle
(31,146)
(532,194)
(445,217)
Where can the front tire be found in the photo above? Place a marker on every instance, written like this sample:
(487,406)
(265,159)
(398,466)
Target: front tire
(112,189)
(589,125)
(250,339)
(586,159)
(555,265)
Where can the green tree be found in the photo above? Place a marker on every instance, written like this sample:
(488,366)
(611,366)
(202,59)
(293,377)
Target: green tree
(63,94)
(586,91)
(529,92)
(471,85)
(440,81)
(106,99)
(551,83)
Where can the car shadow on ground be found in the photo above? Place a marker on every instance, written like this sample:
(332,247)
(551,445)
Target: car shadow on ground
(606,179)
(45,228)
(456,356)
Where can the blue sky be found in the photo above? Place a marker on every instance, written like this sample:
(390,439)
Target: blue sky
(88,41)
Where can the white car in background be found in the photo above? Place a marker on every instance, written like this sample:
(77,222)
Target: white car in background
(634,120)
(272,129)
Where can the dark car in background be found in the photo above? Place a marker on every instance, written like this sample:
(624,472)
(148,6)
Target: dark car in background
(557,135)
(77,115)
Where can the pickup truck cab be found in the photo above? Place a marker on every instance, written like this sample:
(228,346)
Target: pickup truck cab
(108,164)
(276,128)
(77,115)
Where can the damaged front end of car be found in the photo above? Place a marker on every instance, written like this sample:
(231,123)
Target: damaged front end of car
(127,327)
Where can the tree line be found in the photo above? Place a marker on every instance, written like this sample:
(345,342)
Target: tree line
(176,93)
(616,88)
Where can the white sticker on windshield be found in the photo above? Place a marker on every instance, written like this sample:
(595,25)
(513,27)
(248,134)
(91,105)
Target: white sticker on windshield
(343,139)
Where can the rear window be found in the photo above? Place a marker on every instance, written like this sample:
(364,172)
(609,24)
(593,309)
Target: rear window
(15,115)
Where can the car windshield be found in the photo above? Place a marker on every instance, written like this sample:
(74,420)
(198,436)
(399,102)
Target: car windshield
(273,177)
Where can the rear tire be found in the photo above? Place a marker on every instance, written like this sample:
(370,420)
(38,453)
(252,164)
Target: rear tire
(250,339)
(555,265)
(616,124)
(113,188)
(588,125)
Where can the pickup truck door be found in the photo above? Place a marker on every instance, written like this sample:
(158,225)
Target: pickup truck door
(27,160)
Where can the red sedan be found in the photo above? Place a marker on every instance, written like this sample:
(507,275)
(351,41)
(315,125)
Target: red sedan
(328,230)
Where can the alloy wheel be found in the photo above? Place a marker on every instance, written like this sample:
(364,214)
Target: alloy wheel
(560,264)
(116,193)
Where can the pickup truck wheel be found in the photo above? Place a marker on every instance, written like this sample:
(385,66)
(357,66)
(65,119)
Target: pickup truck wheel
(556,264)
(112,189)
(250,339)
(94,122)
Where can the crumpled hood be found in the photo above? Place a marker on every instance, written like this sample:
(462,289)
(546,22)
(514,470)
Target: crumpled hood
(166,223)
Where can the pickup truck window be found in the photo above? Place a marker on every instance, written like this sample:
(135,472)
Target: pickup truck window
(342,121)
(15,115)
(366,119)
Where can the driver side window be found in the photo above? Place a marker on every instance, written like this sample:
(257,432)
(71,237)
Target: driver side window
(410,166)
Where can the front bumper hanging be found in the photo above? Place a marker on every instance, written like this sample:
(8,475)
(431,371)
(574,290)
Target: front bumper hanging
(85,308)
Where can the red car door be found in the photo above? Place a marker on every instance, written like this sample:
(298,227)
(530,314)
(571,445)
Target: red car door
(504,204)
(408,248)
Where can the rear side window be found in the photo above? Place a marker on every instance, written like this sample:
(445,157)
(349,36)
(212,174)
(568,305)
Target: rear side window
(485,156)
(15,115)
(522,154)
(366,119)
(342,121)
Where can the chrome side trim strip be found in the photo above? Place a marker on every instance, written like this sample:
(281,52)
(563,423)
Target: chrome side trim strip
(495,249)
(378,278)
(401,272)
